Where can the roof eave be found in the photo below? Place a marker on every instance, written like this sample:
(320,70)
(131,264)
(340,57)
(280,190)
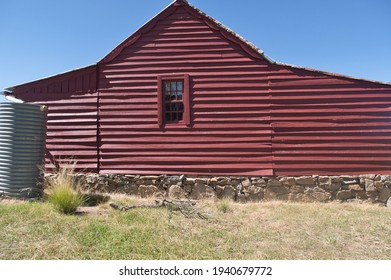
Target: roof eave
(7,91)
(337,75)
(12,88)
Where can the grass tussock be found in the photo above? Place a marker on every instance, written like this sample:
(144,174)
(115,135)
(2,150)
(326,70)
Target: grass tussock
(224,205)
(63,191)
(270,230)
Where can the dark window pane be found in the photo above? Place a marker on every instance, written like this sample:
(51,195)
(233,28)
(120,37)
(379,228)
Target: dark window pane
(168,107)
(173,95)
(168,118)
(180,106)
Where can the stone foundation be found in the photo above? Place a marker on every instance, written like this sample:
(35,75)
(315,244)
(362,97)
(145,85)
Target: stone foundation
(370,188)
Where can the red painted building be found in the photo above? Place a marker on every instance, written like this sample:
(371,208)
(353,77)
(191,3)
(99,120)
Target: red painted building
(186,95)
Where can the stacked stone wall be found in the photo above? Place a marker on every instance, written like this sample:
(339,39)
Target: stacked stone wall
(369,188)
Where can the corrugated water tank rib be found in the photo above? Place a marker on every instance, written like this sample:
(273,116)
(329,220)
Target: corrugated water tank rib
(22,149)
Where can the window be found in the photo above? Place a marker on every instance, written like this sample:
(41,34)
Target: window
(173,100)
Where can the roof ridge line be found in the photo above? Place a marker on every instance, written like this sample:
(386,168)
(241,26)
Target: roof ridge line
(230,31)
(177,3)
(129,38)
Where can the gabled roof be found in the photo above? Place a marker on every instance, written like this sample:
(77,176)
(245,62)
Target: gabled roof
(250,48)
(247,46)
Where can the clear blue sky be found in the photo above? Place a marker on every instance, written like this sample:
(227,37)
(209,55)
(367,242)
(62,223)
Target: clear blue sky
(41,38)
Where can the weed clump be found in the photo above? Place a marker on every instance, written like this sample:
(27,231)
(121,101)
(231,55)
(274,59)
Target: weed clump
(224,205)
(63,191)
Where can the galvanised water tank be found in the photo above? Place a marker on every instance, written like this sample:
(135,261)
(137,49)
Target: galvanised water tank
(22,149)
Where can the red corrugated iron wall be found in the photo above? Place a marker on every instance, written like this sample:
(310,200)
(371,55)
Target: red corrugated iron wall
(248,116)
(72,116)
(325,124)
(230,120)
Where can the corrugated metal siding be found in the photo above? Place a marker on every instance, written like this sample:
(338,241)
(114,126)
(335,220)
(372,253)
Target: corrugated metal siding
(22,148)
(72,116)
(329,125)
(230,126)
(248,117)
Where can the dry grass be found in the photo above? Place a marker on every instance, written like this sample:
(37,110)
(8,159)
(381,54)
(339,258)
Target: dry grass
(63,191)
(270,230)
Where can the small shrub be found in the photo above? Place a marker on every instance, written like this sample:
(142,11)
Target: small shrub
(62,190)
(224,205)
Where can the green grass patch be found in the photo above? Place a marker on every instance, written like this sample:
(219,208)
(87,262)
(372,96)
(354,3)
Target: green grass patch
(63,191)
(270,230)
(65,199)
